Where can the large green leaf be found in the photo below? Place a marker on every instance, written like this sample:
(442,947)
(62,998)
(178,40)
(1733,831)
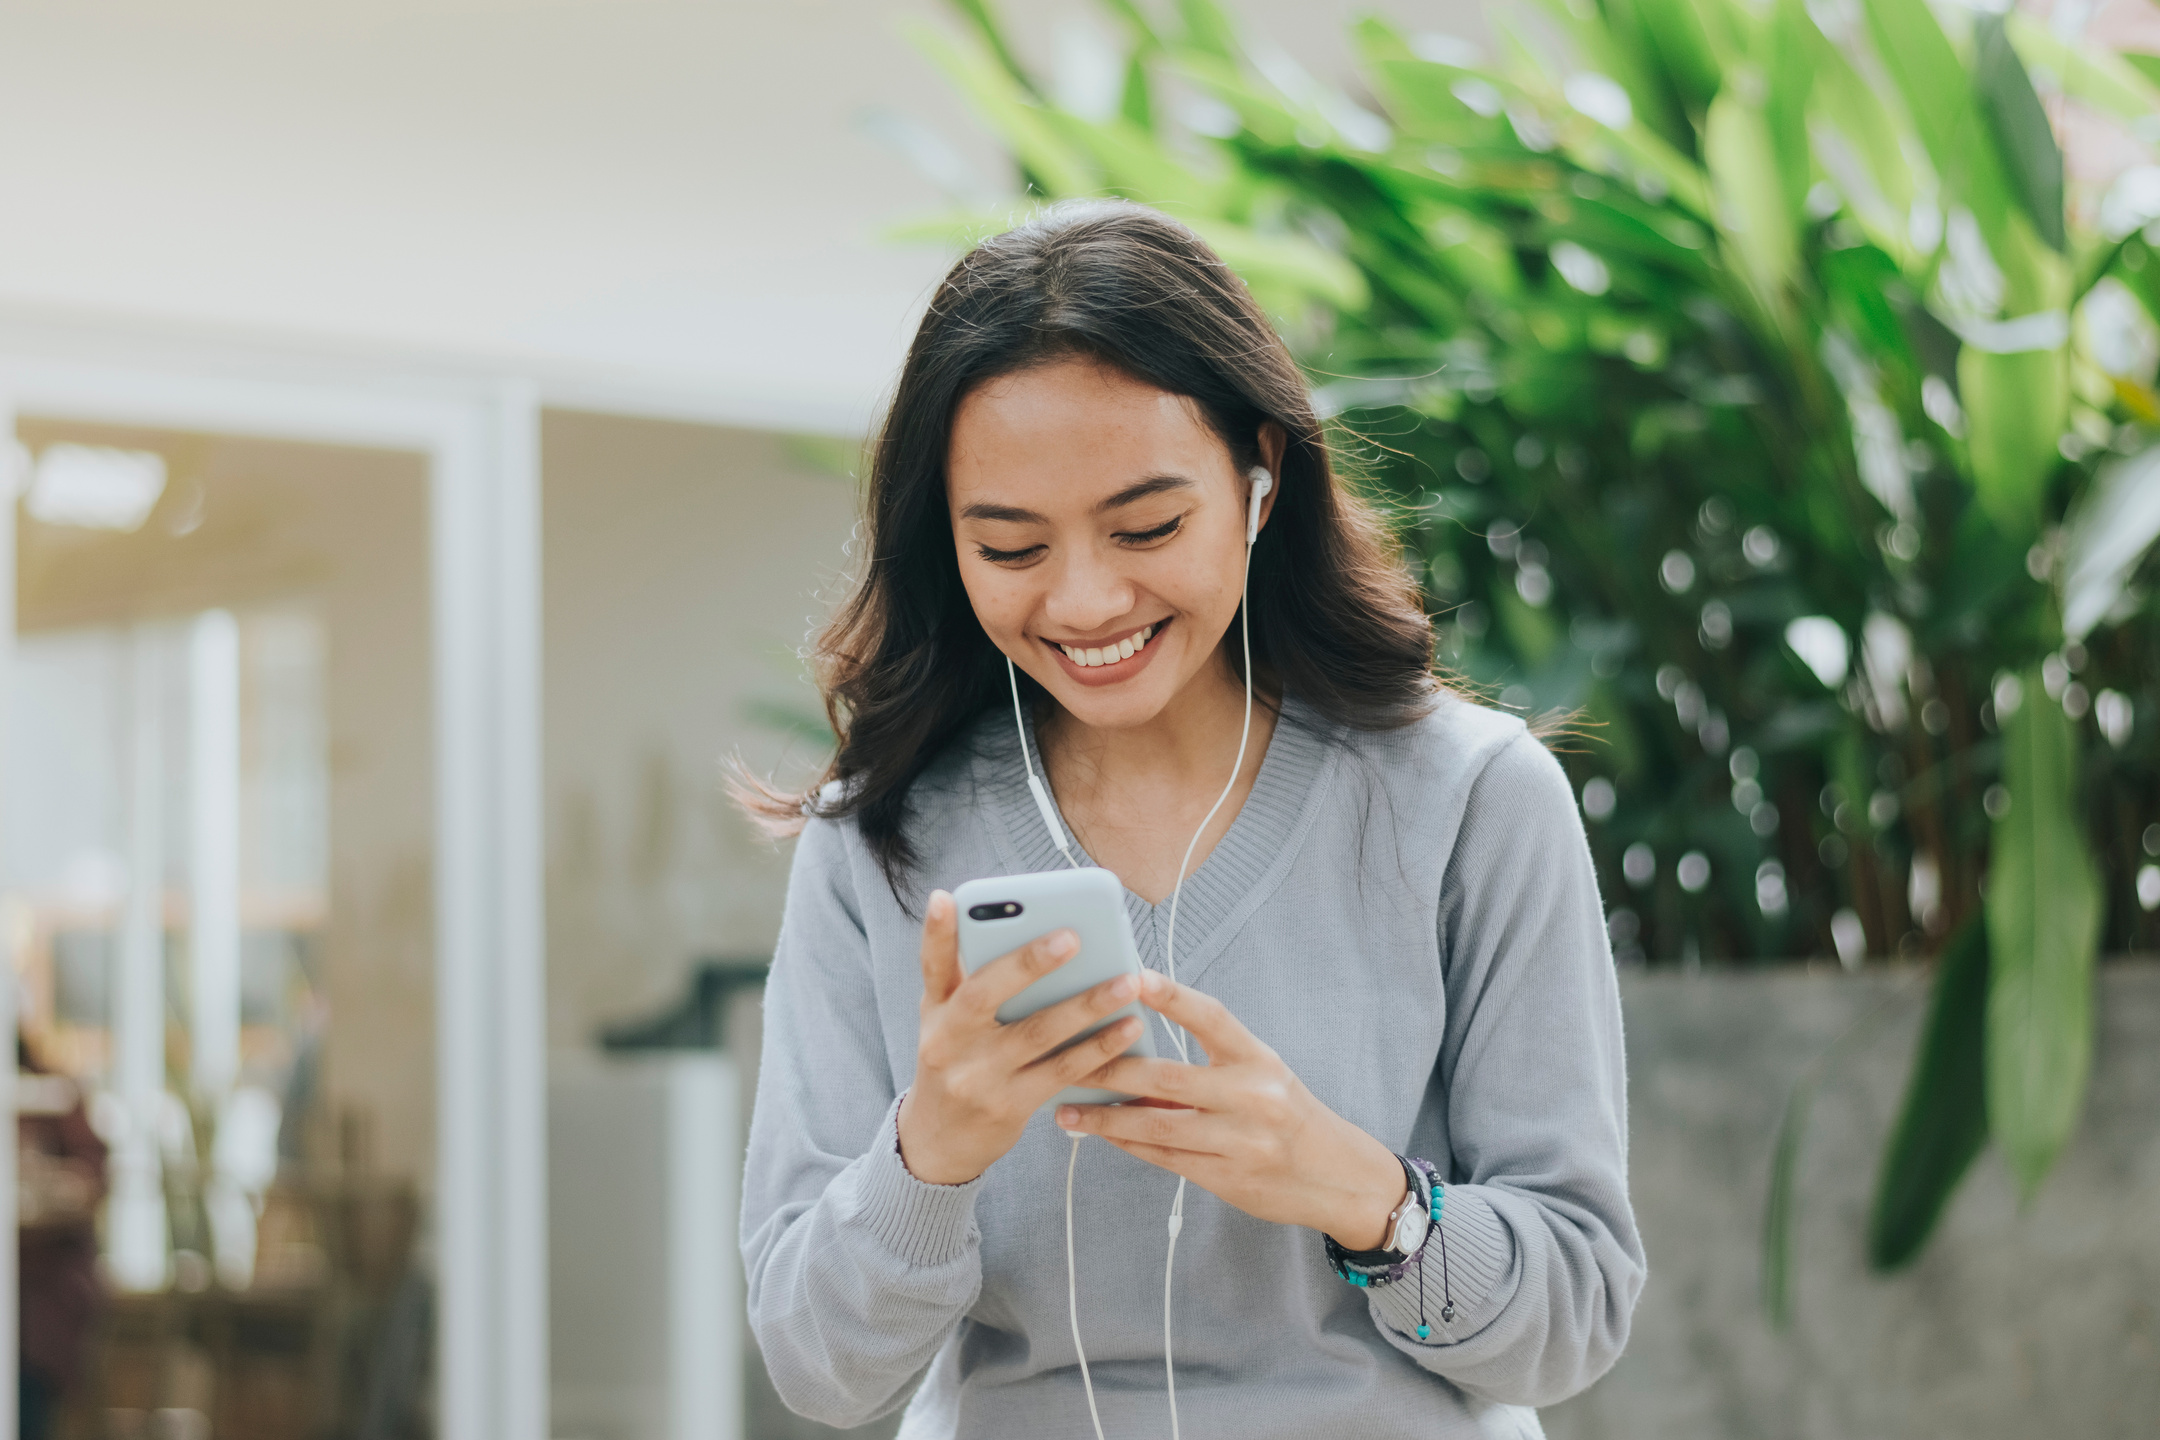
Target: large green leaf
(1782,1205)
(1741,155)
(1133,164)
(1681,45)
(1943,1123)
(2113,84)
(1288,265)
(1619,56)
(2021,128)
(1859,143)
(2043,922)
(2145,65)
(982,18)
(1594,145)
(1208,28)
(1004,104)
(2015,406)
(1944,110)
(1919,57)
(1418,94)
(1258,109)
(1142,28)
(2115,522)
(1792,53)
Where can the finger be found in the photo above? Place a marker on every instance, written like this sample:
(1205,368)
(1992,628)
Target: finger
(1053,1073)
(1206,1171)
(1199,1087)
(1206,1017)
(1189,1130)
(940,948)
(1035,1037)
(1009,974)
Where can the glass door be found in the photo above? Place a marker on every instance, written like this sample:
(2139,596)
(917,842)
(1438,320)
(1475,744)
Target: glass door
(217,887)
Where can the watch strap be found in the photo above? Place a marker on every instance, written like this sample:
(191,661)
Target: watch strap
(1386,1263)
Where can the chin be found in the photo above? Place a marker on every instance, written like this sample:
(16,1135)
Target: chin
(1114,707)
(1124,704)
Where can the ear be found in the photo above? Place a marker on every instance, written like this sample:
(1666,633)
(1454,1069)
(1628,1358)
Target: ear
(1274,444)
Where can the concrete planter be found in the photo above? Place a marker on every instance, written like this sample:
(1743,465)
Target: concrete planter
(2040,1323)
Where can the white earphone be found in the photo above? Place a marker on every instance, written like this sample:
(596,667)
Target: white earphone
(1262,483)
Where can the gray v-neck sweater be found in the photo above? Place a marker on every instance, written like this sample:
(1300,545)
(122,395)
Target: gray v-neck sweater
(1411,920)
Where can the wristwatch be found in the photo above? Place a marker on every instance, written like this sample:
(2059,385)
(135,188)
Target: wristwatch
(1406,1227)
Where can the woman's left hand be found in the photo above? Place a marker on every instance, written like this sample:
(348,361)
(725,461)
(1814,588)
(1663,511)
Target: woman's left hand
(1243,1127)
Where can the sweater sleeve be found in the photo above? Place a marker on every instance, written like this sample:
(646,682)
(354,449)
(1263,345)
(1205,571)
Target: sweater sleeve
(856,1270)
(1543,1257)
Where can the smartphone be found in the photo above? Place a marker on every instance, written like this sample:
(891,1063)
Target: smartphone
(1000,915)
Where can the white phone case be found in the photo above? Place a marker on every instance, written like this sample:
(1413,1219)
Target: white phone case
(999,915)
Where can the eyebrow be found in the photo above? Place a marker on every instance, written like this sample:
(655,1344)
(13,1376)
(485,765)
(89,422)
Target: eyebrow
(1137,491)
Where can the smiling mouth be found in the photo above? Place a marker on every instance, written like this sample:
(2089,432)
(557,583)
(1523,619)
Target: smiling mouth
(1115,654)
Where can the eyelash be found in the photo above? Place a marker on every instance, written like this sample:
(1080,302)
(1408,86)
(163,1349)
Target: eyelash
(1144,537)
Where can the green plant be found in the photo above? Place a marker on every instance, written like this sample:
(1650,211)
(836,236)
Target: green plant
(1763,395)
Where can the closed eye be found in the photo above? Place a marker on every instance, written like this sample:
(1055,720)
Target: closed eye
(1148,537)
(1131,539)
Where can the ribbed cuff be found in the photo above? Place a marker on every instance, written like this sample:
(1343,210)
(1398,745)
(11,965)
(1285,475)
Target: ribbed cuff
(923,1225)
(1479,1248)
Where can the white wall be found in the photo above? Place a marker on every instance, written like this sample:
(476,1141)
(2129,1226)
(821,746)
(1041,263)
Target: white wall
(683,567)
(659,206)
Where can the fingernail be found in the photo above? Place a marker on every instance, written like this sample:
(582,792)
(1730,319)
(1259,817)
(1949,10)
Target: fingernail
(1123,987)
(940,902)
(1068,1116)
(1063,944)
(1153,981)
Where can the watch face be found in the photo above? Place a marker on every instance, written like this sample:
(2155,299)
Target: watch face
(1410,1230)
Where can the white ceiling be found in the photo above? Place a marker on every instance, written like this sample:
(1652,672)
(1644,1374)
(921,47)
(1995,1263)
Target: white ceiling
(656,206)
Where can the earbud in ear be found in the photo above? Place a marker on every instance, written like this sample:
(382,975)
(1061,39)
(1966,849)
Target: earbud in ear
(1262,482)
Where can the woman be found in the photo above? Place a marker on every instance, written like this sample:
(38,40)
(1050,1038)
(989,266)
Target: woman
(1390,947)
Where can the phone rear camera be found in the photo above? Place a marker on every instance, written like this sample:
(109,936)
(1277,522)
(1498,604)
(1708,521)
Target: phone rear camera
(1002,910)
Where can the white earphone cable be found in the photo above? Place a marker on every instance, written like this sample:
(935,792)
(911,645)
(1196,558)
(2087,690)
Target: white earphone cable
(1037,788)
(1072,1290)
(1177,1033)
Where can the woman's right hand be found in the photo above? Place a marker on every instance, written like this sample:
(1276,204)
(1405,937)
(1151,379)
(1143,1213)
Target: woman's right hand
(977,1081)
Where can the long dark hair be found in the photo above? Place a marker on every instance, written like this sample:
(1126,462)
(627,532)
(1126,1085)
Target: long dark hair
(905,666)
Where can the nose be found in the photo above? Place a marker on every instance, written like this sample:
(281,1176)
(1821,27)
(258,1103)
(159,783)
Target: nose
(1088,592)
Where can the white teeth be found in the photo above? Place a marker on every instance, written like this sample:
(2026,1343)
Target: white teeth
(1125,649)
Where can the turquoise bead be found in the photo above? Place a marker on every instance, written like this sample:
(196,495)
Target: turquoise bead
(1424,1332)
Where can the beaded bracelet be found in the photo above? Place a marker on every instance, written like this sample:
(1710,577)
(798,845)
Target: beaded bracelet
(1365,1279)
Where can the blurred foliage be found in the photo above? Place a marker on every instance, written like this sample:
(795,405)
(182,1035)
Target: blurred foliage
(1753,387)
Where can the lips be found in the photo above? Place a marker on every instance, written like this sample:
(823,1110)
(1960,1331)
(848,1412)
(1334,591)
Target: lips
(1120,659)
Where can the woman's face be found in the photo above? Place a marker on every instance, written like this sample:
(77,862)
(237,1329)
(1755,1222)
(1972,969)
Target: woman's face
(1100,525)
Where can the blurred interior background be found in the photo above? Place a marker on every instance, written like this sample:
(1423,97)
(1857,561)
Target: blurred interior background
(432,438)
